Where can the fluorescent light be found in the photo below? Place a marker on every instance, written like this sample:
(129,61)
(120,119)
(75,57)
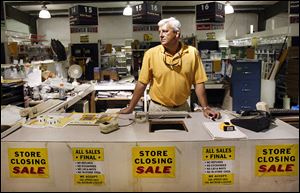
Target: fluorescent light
(228,8)
(128,10)
(44,13)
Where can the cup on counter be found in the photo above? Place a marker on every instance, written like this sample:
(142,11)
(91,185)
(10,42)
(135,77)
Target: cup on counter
(267,92)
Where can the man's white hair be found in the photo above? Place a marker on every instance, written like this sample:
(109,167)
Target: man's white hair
(172,21)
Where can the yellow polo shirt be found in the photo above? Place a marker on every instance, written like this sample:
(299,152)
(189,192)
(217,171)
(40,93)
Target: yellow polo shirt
(171,85)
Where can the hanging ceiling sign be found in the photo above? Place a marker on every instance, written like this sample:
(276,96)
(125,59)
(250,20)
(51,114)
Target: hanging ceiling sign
(294,7)
(209,26)
(210,12)
(83,15)
(2,13)
(146,13)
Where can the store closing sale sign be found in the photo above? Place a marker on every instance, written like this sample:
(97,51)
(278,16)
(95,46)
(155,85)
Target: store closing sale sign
(154,162)
(28,162)
(218,165)
(276,160)
(88,166)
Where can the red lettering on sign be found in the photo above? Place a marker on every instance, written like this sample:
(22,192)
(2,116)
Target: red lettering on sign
(16,170)
(140,170)
(149,170)
(26,170)
(41,170)
(158,170)
(167,170)
(274,168)
(289,167)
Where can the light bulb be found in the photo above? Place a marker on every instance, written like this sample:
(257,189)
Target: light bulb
(228,8)
(44,13)
(127,11)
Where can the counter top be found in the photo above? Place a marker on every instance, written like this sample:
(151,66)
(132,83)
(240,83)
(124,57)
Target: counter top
(139,132)
(131,86)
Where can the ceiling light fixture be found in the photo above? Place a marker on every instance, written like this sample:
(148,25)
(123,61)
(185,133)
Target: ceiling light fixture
(228,8)
(44,13)
(127,10)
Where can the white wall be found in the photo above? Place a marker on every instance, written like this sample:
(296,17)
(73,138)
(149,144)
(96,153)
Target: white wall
(55,28)
(115,29)
(239,22)
(188,26)
(3,28)
(14,25)
(277,21)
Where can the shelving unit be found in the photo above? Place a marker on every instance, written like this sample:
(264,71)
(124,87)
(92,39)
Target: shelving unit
(117,102)
(27,47)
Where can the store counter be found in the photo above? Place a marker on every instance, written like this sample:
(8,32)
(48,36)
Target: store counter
(127,86)
(81,158)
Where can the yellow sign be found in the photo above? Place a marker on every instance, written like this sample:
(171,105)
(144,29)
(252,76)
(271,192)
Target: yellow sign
(153,162)
(276,160)
(254,42)
(218,153)
(88,154)
(88,165)
(218,165)
(28,162)
(89,179)
(217,179)
(148,37)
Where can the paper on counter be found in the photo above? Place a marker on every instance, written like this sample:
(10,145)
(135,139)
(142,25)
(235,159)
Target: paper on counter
(10,115)
(215,131)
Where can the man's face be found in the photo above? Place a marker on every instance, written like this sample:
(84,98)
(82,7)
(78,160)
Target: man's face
(167,35)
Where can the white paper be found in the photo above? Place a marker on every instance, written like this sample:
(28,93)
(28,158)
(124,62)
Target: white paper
(215,131)
(10,115)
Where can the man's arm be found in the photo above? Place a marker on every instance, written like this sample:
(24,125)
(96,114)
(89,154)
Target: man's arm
(201,95)
(137,94)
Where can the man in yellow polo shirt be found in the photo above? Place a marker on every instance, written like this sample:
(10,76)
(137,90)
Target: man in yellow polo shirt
(171,69)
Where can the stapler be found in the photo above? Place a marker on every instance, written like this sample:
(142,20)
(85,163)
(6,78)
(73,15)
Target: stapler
(108,124)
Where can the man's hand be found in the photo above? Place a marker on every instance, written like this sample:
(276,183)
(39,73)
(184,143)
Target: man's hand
(209,113)
(126,110)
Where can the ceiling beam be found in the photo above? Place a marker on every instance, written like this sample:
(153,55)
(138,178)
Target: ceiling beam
(271,11)
(165,10)
(26,3)
(257,9)
(22,17)
(280,7)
